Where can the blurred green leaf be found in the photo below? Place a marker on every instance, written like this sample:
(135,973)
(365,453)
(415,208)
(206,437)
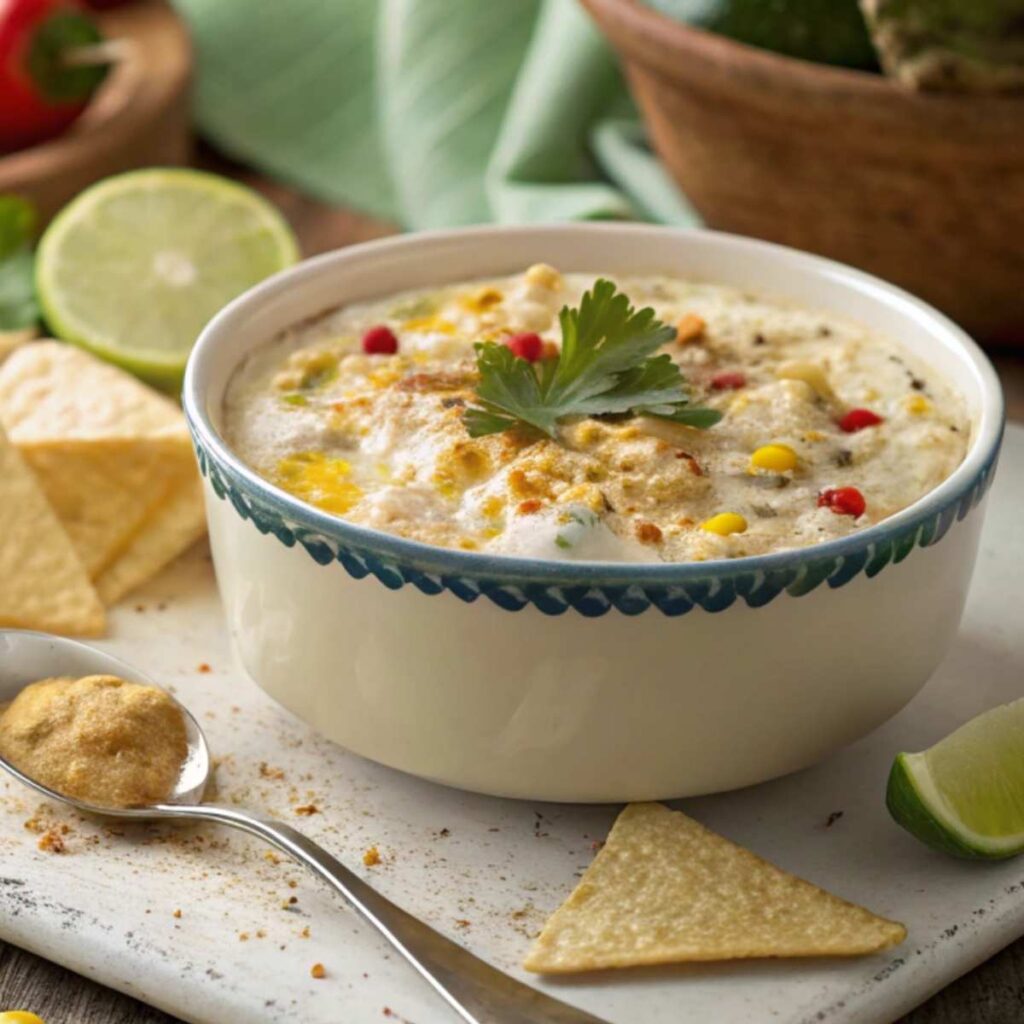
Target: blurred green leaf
(18,306)
(17,220)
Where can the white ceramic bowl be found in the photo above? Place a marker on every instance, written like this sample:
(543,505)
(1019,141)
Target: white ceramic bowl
(587,681)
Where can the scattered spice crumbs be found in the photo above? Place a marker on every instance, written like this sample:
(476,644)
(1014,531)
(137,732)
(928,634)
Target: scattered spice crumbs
(267,772)
(51,841)
(203,667)
(177,914)
(461,922)
(271,857)
(307,810)
(318,971)
(833,818)
(243,936)
(371,857)
(304,934)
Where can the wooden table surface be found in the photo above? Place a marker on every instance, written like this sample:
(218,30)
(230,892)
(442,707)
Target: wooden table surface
(991,994)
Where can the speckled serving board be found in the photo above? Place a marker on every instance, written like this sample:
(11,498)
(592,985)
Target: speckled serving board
(487,871)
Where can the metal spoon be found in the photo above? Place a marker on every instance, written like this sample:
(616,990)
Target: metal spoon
(477,992)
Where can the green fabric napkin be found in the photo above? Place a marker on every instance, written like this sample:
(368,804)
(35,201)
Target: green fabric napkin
(431,113)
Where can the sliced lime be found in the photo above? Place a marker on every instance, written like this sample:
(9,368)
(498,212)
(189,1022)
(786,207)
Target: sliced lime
(965,795)
(134,267)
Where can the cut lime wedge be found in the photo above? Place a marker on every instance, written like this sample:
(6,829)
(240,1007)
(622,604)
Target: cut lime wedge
(134,267)
(965,795)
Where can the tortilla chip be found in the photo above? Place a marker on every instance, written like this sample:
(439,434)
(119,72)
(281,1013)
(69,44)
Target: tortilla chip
(105,492)
(52,391)
(173,529)
(113,457)
(664,889)
(10,340)
(43,585)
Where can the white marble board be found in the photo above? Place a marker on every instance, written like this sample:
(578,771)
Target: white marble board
(487,871)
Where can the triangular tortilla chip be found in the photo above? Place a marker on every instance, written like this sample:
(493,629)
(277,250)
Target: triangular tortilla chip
(173,529)
(52,391)
(664,889)
(113,458)
(43,585)
(105,492)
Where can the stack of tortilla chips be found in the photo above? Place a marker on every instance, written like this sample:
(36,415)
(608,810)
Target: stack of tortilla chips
(98,478)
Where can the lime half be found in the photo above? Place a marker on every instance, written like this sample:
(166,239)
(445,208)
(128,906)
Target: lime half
(965,795)
(134,267)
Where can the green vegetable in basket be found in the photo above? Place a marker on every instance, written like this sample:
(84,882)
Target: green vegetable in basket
(825,31)
(950,45)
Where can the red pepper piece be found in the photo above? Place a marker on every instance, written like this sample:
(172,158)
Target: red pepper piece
(528,346)
(844,501)
(731,380)
(380,341)
(858,419)
(42,93)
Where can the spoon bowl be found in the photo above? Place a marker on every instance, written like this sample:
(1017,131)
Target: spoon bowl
(27,656)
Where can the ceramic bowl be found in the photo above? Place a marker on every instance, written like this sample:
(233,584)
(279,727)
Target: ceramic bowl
(586,681)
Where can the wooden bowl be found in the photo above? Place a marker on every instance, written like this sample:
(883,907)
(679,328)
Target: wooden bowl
(139,117)
(926,191)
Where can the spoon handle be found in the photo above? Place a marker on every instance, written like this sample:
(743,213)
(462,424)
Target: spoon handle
(477,992)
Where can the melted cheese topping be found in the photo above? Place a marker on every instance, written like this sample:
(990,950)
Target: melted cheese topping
(379,439)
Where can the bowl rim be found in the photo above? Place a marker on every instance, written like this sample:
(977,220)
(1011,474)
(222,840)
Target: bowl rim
(968,479)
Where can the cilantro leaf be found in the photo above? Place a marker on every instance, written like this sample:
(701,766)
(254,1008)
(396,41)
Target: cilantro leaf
(606,367)
(18,306)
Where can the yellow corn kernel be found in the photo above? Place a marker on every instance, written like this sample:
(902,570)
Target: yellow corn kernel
(468,544)
(583,494)
(589,432)
(690,327)
(481,300)
(725,523)
(19,1017)
(917,405)
(385,376)
(776,458)
(543,276)
(430,323)
(809,373)
(320,479)
(493,506)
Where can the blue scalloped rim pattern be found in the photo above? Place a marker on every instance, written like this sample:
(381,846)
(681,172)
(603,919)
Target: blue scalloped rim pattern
(592,590)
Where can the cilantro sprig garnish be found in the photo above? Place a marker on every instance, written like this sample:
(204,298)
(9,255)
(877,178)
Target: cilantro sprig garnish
(606,367)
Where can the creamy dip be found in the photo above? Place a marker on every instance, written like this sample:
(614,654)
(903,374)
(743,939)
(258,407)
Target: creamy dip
(99,739)
(827,427)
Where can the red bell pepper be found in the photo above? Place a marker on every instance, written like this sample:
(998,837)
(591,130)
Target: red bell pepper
(41,93)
